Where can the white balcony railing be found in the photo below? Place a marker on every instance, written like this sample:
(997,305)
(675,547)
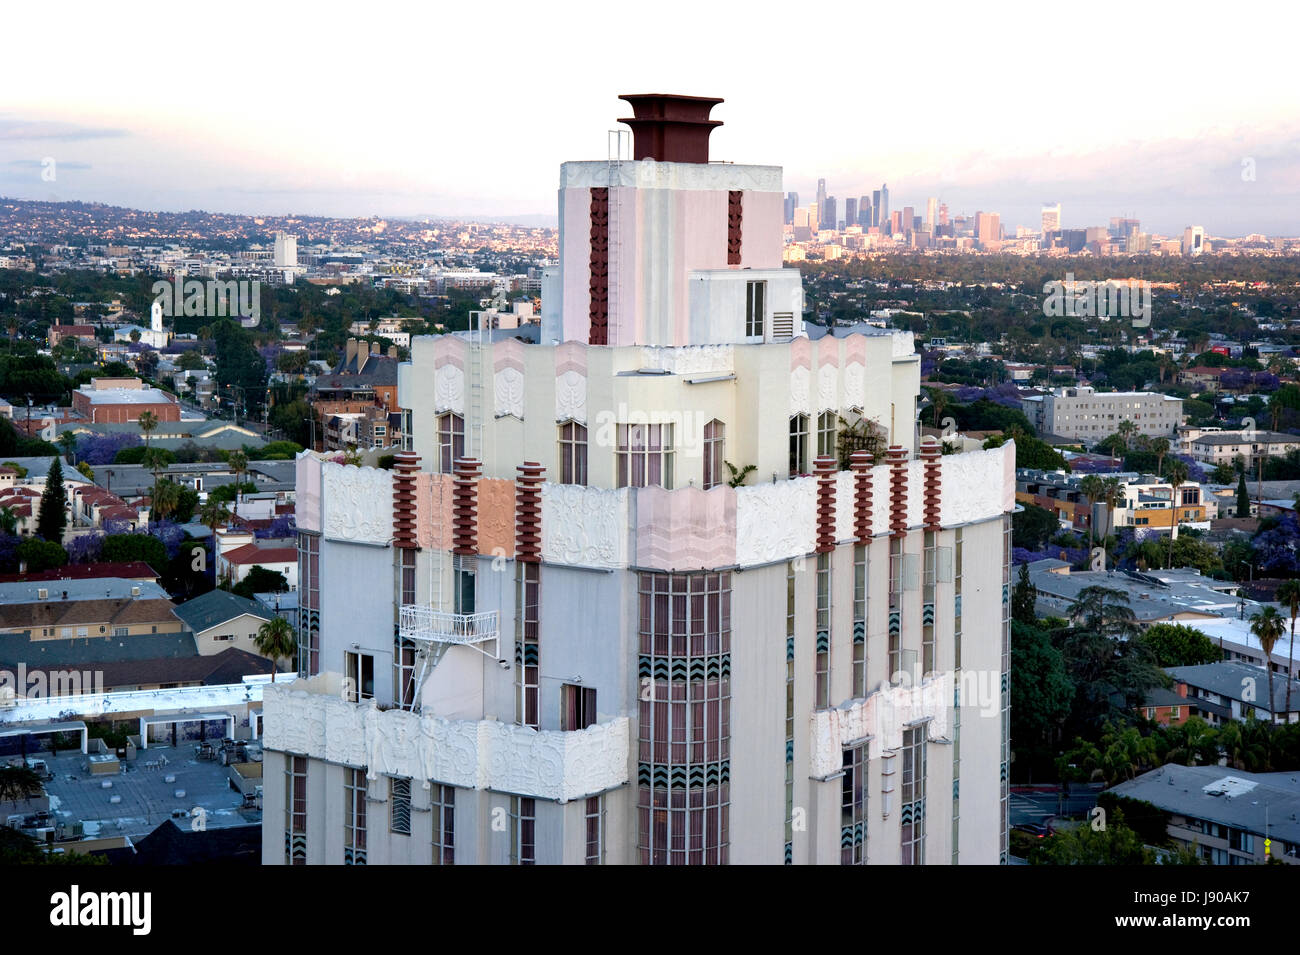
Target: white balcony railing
(422,623)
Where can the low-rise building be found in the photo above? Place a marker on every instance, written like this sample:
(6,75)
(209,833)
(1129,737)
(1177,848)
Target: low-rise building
(1085,414)
(1233,690)
(220,620)
(1224,447)
(1227,814)
(120,400)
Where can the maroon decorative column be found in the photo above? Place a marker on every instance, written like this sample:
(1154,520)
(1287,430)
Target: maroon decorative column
(735,199)
(932,455)
(598,310)
(405,466)
(898,491)
(824,468)
(464,507)
(528,512)
(860,462)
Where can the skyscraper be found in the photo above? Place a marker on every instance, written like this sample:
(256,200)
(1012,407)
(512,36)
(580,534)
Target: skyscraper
(864,212)
(528,644)
(884,205)
(850,212)
(875,207)
(1193,240)
(931,208)
(1051,219)
(988,230)
(828,213)
(791,203)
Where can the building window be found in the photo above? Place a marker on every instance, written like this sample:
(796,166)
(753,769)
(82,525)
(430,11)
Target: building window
(714,449)
(799,445)
(859,620)
(826,422)
(443,799)
(527,645)
(823,629)
(853,807)
(309,608)
(595,819)
(523,831)
(295,810)
(463,571)
(684,718)
(354,817)
(573,453)
(789,713)
(577,707)
(404,672)
(408,574)
(358,677)
(399,805)
(451,441)
(913,796)
(645,455)
(755,308)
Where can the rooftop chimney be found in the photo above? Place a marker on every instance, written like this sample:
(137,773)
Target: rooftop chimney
(349,353)
(392,351)
(669,128)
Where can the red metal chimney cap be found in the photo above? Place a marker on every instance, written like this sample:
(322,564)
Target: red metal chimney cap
(671,128)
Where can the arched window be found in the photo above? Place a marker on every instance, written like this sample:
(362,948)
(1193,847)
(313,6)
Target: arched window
(799,445)
(573,453)
(715,433)
(451,440)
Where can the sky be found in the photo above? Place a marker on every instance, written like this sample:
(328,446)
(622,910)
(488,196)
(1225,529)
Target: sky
(1167,112)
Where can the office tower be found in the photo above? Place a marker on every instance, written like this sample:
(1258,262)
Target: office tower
(988,230)
(791,203)
(1193,240)
(864,212)
(943,213)
(931,208)
(896,222)
(286,250)
(554,633)
(821,200)
(884,205)
(875,207)
(909,214)
(1122,227)
(828,213)
(850,212)
(815,216)
(1051,219)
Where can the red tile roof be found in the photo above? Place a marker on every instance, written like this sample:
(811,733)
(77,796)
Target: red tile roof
(126,570)
(253,554)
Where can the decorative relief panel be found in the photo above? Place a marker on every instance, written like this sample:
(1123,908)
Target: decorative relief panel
(508,387)
(690,359)
(571,397)
(883,716)
(358,503)
(979,485)
(776,521)
(449,390)
(845,496)
(827,399)
(800,396)
(585,526)
(470,754)
(307,481)
(855,391)
(496,517)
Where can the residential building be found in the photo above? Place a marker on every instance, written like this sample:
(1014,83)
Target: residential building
(1082,413)
(557,612)
(120,400)
(1233,690)
(220,620)
(1224,447)
(1228,815)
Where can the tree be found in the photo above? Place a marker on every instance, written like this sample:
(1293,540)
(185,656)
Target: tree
(1024,597)
(53,516)
(1126,430)
(122,548)
(19,783)
(40,555)
(1288,594)
(238,462)
(1177,645)
(8,522)
(1177,477)
(213,513)
(1159,447)
(165,498)
(1041,691)
(1033,527)
(1243,496)
(1114,844)
(1268,626)
(148,424)
(68,441)
(260,580)
(1092,487)
(275,639)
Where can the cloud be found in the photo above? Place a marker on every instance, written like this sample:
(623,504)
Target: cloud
(19,130)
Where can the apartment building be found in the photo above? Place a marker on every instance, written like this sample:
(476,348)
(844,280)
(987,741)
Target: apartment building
(556,632)
(1224,447)
(1084,414)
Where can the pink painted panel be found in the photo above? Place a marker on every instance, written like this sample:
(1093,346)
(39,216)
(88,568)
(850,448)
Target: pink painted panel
(685,529)
(576,229)
(801,354)
(761,226)
(508,353)
(449,350)
(496,517)
(855,349)
(571,356)
(433,529)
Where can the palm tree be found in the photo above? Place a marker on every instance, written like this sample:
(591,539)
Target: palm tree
(148,424)
(1126,430)
(1159,447)
(69,442)
(275,639)
(155,461)
(1288,594)
(1092,487)
(166,498)
(238,462)
(213,513)
(8,521)
(1268,625)
(1177,478)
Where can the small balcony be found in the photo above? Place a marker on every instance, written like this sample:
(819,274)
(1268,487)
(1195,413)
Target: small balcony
(421,623)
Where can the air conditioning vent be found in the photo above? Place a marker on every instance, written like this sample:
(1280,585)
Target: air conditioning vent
(42,594)
(782,326)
